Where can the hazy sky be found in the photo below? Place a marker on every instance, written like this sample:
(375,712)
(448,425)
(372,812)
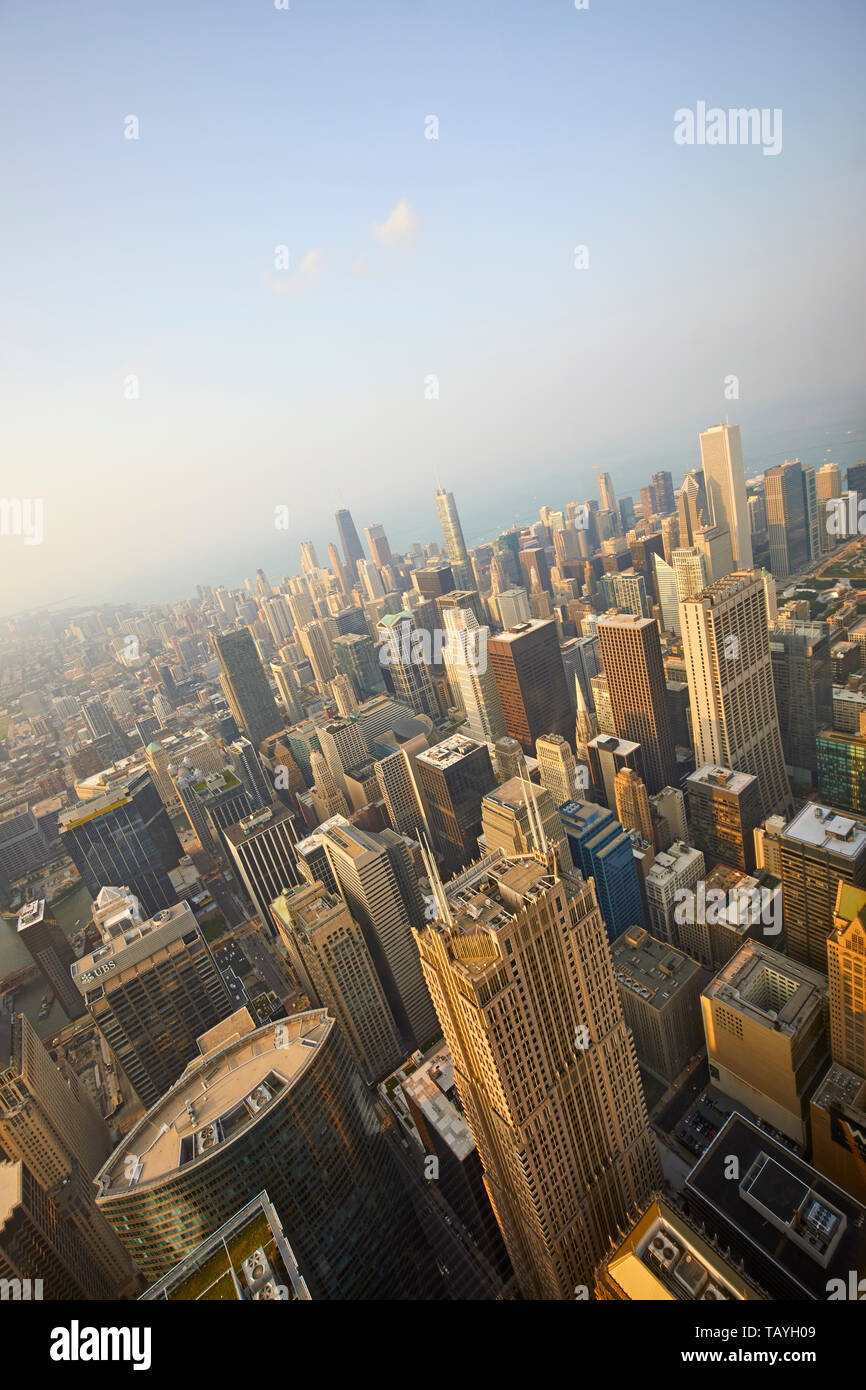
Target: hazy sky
(409,257)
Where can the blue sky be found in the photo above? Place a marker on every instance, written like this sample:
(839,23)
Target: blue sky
(260,387)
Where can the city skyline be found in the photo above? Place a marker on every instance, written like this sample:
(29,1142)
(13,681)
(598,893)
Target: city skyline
(404,266)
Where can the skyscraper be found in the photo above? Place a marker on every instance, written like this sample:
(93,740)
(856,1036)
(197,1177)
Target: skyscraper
(828,487)
(663,487)
(124,836)
(730,678)
(819,850)
(472,681)
(402,652)
(262,847)
(453,776)
(632,803)
(803,682)
(352,548)
(327,948)
(787,518)
(455,545)
(556,767)
(606,493)
(530,677)
(211,1142)
(631,652)
(724,810)
(51,952)
(602,850)
(520,971)
(151,988)
(376,877)
(246,685)
(725,483)
(379,547)
(519,817)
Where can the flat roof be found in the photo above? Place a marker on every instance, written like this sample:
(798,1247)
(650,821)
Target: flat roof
(449,751)
(725,778)
(749,984)
(650,968)
(776,1185)
(217,1098)
(823,828)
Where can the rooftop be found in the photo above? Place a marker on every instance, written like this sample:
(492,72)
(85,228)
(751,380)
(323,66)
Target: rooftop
(663,1258)
(781,1206)
(137,943)
(448,752)
(218,1098)
(822,827)
(651,968)
(772,990)
(725,777)
(429,1087)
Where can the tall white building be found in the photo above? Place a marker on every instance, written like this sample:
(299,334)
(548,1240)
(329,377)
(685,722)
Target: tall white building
(470,676)
(730,678)
(725,483)
(674,871)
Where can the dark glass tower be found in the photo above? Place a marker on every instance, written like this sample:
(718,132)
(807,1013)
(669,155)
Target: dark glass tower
(352,548)
(125,838)
(246,685)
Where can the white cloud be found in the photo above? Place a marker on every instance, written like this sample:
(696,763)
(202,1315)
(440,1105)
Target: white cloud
(309,271)
(361,267)
(400,229)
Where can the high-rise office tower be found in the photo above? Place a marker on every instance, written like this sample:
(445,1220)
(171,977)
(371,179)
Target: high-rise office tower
(692,507)
(631,652)
(632,803)
(520,971)
(309,558)
(607,755)
(453,776)
(519,817)
(724,810)
(765,1020)
(262,847)
(508,759)
(328,797)
(665,582)
(355,657)
(399,788)
(556,767)
(602,850)
(628,591)
(327,948)
(372,587)
(376,877)
(124,836)
(288,1089)
(470,676)
(787,518)
(674,872)
(663,488)
(846,969)
(338,569)
(730,678)
(842,769)
(725,483)
(344,696)
(606,493)
(50,1124)
(455,545)
(51,952)
(818,850)
(246,686)
(38,1247)
(713,543)
(402,652)
(344,746)
(690,570)
(585,722)
(660,991)
(803,682)
(511,607)
(315,641)
(151,987)
(379,547)
(530,677)
(648,501)
(247,766)
(352,548)
(828,486)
